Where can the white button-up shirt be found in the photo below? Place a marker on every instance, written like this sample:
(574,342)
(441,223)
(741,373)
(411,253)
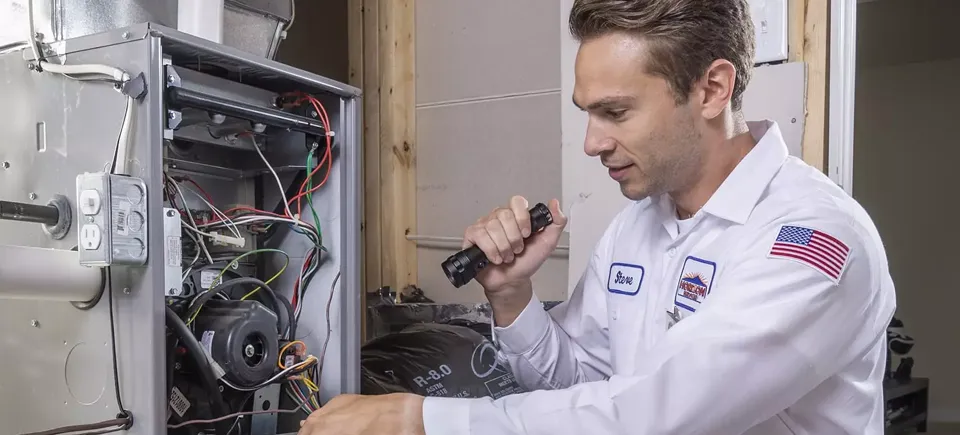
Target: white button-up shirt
(765,314)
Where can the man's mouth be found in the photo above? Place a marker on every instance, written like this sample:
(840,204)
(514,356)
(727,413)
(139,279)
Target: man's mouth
(618,172)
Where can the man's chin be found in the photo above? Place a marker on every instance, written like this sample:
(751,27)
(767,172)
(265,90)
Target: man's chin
(633,192)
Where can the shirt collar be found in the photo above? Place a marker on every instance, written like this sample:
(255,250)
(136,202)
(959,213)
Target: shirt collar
(739,193)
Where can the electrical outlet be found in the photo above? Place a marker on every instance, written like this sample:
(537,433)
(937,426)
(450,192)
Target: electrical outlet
(90,237)
(113,217)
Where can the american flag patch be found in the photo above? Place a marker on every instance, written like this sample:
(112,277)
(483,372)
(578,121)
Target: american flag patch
(814,248)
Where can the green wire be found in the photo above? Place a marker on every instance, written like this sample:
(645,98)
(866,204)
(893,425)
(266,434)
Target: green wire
(316,219)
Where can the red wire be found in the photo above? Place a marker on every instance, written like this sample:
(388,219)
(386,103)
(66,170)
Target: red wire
(200,189)
(296,284)
(324,118)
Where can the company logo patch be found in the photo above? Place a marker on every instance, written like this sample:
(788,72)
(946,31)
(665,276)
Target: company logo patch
(694,284)
(625,279)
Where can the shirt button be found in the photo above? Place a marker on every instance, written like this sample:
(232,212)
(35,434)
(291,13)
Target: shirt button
(672,252)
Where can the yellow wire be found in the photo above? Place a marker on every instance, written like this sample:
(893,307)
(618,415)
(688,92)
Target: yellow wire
(216,281)
(285,264)
(313,387)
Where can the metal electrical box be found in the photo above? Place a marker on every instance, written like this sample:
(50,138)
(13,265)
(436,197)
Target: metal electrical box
(58,368)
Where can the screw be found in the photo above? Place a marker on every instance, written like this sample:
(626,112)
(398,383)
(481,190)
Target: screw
(235,265)
(171,213)
(125,35)
(315,146)
(171,78)
(793,120)
(177,366)
(172,291)
(126,290)
(171,115)
(33,196)
(35,323)
(221,388)
(6,165)
(249,350)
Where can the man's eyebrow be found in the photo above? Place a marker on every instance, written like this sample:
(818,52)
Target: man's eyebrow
(607,102)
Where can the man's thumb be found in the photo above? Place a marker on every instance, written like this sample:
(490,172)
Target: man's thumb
(559,219)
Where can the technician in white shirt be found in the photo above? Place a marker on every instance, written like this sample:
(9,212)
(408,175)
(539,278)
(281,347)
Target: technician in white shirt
(741,292)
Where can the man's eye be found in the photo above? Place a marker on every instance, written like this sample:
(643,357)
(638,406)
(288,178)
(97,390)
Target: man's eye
(615,114)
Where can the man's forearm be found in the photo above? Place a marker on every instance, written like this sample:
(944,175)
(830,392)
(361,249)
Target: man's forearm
(508,303)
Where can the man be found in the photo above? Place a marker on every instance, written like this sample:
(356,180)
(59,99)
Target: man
(741,291)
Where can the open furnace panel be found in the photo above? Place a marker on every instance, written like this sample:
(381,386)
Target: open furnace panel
(212,198)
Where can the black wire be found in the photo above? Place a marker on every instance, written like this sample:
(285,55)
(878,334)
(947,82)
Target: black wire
(87,305)
(113,342)
(277,302)
(203,366)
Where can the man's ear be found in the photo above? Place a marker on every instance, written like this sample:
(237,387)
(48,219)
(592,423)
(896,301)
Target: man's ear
(717,86)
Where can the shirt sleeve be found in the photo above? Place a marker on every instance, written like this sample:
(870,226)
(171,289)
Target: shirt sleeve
(568,344)
(769,333)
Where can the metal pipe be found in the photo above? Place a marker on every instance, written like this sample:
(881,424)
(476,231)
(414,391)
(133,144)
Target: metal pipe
(41,214)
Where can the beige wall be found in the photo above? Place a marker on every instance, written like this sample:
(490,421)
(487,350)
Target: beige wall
(488,124)
(906,150)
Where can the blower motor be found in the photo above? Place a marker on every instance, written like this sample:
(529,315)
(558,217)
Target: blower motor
(241,336)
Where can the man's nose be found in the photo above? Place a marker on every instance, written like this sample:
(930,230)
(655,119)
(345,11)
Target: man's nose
(596,142)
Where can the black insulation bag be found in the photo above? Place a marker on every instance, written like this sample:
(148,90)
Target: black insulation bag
(435,360)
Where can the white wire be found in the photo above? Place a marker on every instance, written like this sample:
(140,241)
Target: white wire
(216,211)
(310,359)
(116,74)
(192,222)
(123,140)
(293,15)
(200,246)
(283,193)
(34,44)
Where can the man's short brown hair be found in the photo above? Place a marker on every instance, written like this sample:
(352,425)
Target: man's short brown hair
(685,36)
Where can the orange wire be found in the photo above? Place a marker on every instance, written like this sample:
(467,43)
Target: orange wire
(284,350)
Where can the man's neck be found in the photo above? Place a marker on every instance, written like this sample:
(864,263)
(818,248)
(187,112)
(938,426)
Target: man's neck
(721,159)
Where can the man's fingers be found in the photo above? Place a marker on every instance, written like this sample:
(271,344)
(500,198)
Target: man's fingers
(477,235)
(499,236)
(512,229)
(521,212)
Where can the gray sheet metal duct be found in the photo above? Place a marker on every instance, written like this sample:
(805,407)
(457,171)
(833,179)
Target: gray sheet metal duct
(46,274)
(254,26)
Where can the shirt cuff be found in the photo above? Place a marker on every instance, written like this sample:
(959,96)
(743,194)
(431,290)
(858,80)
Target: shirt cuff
(446,416)
(526,330)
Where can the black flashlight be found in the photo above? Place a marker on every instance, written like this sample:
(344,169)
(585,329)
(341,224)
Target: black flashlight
(464,265)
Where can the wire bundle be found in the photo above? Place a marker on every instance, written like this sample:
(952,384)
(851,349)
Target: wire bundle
(212,224)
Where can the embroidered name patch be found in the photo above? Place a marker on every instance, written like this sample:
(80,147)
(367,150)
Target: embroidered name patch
(625,279)
(813,248)
(694,283)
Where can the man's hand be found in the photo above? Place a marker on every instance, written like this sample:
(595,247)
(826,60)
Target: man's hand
(390,414)
(500,235)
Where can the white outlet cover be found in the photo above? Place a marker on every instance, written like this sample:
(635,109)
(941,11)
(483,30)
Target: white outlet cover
(771,29)
(90,237)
